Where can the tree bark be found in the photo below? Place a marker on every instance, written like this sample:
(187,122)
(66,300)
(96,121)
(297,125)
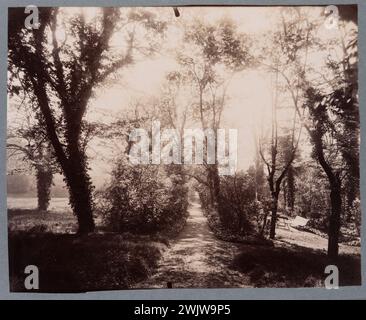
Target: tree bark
(80,186)
(81,201)
(44,178)
(334,221)
(272,232)
(72,83)
(290,185)
(73,165)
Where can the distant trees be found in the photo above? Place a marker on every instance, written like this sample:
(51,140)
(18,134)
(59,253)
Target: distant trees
(62,74)
(289,181)
(210,56)
(279,166)
(29,144)
(278,154)
(174,106)
(312,194)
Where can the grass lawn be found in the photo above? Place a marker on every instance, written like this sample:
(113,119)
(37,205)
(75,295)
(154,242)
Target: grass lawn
(67,263)
(110,261)
(76,264)
(296,259)
(47,221)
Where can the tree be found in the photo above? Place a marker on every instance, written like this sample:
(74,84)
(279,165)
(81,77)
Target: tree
(144,197)
(62,77)
(328,108)
(28,143)
(289,187)
(280,157)
(41,160)
(334,118)
(327,112)
(210,56)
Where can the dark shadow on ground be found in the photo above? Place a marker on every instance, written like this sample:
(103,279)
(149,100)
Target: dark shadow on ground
(68,263)
(293,266)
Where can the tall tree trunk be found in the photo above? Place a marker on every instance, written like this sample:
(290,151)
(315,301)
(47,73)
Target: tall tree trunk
(80,189)
(44,178)
(264,225)
(334,220)
(290,184)
(284,193)
(73,165)
(335,199)
(274,208)
(81,201)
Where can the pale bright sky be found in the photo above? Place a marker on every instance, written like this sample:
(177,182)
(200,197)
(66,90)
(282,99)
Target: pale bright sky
(249,91)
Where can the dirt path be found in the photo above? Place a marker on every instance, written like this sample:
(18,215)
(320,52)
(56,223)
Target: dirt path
(196,259)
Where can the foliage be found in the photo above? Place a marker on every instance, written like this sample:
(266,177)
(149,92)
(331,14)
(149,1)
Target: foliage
(44,183)
(28,144)
(238,203)
(313,193)
(143,199)
(355,213)
(238,194)
(61,75)
(327,108)
(210,55)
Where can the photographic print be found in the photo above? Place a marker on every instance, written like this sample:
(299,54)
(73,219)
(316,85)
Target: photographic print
(183,147)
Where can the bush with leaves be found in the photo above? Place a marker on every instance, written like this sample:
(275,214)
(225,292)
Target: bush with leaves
(238,192)
(312,201)
(142,199)
(355,214)
(238,201)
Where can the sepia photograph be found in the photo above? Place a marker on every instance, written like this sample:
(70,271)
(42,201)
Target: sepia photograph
(183,147)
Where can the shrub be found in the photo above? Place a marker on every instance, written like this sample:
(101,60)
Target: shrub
(238,202)
(355,214)
(143,199)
